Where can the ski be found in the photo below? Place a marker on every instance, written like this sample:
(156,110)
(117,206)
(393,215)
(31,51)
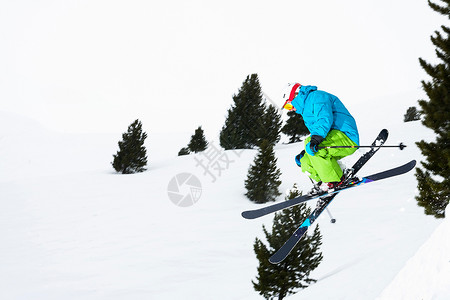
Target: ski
(284,251)
(253,214)
(256,213)
(379,141)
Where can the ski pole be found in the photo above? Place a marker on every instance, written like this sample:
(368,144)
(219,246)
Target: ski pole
(401,146)
(332,220)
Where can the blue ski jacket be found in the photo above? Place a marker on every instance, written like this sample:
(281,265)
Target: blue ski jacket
(322,112)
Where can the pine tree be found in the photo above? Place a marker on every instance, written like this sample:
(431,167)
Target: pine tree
(132,155)
(198,142)
(263,178)
(434,182)
(287,277)
(295,127)
(270,125)
(412,114)
(241,125)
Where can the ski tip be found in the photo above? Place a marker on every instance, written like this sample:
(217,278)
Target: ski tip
(247,215)
(274,261)
(410,165)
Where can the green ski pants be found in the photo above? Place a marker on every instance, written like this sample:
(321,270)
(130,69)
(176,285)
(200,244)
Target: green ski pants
(323,166)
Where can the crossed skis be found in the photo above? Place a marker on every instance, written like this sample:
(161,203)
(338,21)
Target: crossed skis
(326,198)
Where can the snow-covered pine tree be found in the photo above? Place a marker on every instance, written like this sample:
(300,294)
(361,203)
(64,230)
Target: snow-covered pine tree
(287,277)
(198,141)
(132,155)
(263,178)
(434,182)
(295,127)
(240,130)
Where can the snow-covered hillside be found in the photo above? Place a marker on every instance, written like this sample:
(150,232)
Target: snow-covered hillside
(427,274)
(73,229)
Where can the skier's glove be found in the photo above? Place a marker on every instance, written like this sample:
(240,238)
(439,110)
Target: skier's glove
(312,147)
(298,157)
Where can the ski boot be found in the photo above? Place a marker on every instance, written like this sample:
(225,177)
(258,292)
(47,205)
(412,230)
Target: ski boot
(329,187)
(316,190)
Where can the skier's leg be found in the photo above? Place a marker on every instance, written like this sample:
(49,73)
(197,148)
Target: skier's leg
(308,168)
(338,138)
(324,163)
(327,168)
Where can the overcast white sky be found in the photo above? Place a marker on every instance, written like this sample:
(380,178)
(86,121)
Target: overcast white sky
(97,65)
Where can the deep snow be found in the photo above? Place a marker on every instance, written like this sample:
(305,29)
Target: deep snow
(71,228)
(427,274)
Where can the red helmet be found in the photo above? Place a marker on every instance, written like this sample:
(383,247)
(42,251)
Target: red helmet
(289,92)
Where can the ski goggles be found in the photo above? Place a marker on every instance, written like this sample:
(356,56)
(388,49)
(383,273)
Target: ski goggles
(288,105)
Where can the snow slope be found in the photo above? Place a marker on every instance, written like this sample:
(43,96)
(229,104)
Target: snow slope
(73,229)
(427,274)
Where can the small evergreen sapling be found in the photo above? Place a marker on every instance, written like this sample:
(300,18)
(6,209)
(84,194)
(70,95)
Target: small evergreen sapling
(184,151)
(292,274)
(132,155)
(198,142)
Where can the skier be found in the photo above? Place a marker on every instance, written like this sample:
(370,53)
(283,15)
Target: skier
(330,124)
